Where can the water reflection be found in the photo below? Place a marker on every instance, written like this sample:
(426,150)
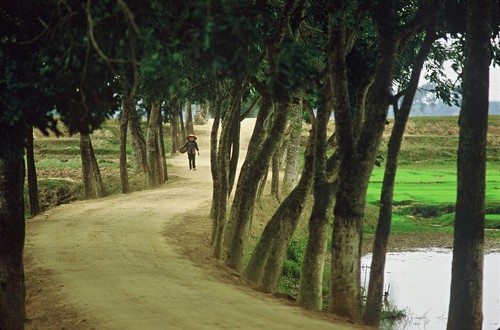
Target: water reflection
(419,282)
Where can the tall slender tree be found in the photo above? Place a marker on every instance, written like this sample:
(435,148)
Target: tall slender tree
(257,159)
(466,310)
(373,304)
(124,122)
(32,177)
(359,149)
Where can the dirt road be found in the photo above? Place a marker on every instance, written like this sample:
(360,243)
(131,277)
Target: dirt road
(142,261)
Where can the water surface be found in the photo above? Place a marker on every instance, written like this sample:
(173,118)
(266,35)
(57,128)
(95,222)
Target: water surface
(419,282)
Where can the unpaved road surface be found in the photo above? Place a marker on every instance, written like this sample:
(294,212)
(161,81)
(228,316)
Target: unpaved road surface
(143,261)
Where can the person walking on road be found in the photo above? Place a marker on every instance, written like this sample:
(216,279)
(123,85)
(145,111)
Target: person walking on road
(192,148)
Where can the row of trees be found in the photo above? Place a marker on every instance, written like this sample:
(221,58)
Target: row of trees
(82,59)
(369,48)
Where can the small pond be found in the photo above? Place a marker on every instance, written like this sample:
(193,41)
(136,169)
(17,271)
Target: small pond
(419,283)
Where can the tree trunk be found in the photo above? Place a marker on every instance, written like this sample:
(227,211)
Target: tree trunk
(183,127)
(88,186)
(290,178)
(163,157)
(214,168)
(12,228)
(244,200)
(311,278)
(151,146)
(262,185)
(92,181)
(223,164)
(158,165)
(466,296)
(278,231)
(259,154)
(138,143)
(288,215)
(124,122)
(189,118)
(275,170)
(359,156)
(96,173)
(174,131)
(373,306)
(32,180)
(197,113)
(235,149)
(258,135)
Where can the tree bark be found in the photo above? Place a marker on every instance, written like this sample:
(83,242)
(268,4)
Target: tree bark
(291,175)
(88,186)
(151,146)
(32,180)
(138,143)
(373,306)
(92,181)
(256,140)
(466,296)
(12,228)
(235,144)
(214,167)
(96,173)
(288,215)
(262,185)
(223,164)
(275,170)
(124,122)
(183,127)
(174,131)
(163,157)
(358,159)
(244,200)
(189,118)
(311,278)
(258,155)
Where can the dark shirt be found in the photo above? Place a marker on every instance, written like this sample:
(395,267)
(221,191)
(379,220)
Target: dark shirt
(192,147)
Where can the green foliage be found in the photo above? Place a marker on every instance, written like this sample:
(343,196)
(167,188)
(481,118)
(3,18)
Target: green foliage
(294,258)
(295,70)
(290,276)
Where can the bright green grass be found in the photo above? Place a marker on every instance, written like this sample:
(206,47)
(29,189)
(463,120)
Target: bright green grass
(428,186)
(53,162)
(402,224)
